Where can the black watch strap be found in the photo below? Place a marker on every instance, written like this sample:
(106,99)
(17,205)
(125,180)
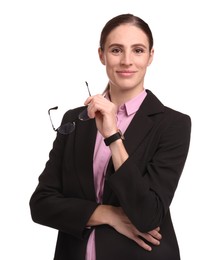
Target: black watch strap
(113,138)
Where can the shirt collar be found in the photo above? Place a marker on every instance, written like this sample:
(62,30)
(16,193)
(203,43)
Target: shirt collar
(131,106)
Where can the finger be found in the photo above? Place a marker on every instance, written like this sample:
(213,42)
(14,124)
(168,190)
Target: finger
(142,244)
(150,239)
(93,107)
(88,100)
(90,111)
(155,233)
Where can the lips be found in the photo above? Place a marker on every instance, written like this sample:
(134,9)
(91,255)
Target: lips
(126,72)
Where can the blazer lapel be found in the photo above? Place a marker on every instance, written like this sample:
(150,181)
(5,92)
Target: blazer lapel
(142,122)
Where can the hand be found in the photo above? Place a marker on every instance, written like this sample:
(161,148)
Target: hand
(104,112)
(121,223)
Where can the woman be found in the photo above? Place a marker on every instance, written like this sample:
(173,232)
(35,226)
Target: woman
(108,185)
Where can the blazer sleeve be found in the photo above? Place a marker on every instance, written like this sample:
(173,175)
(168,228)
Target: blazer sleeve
(48,204)
(145,195)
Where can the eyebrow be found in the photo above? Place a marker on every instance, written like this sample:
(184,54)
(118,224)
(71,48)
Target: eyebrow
(134,45)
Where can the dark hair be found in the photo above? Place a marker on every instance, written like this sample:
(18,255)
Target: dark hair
(124,19)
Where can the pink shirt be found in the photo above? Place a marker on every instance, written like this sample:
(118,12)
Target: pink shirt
(102,155)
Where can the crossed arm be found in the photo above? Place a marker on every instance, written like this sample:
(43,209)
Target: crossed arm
(115,217)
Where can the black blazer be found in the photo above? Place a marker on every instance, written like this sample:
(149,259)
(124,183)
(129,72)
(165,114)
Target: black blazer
(157,141)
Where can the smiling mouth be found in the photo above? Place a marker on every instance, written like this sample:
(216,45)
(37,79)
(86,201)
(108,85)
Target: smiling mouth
(126,72)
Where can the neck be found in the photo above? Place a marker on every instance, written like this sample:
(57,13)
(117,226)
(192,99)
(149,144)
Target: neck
(121,96)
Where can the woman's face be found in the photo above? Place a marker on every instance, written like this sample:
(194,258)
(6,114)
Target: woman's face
(126,56)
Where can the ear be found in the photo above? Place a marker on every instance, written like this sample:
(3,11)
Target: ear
(151,57)
(101,56)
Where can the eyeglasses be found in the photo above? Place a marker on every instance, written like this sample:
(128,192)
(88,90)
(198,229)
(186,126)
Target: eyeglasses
(69,127)
(64,129)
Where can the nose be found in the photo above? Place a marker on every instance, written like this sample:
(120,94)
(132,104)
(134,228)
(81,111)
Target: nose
(126,58)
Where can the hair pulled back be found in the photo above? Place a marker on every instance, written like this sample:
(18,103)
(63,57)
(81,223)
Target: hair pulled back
(125,19)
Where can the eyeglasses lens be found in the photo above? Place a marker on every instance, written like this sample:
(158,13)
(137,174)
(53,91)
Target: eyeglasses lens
(66,128)
(83,116)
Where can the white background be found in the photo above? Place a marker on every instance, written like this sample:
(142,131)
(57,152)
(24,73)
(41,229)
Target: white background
(48,49)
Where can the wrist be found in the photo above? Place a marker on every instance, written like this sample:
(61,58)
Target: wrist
(105,213)
(114,137)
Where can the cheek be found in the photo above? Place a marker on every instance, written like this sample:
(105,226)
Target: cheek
(111,62)
(142,64)
(146,62)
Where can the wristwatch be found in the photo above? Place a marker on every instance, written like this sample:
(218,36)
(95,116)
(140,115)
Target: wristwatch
(114,137)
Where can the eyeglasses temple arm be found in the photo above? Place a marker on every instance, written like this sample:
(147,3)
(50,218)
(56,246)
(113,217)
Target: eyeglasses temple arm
(53,108)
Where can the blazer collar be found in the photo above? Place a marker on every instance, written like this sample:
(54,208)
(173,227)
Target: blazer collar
(152,105)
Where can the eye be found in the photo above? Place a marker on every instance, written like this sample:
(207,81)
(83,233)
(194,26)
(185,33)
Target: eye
(139,50)
(116,50)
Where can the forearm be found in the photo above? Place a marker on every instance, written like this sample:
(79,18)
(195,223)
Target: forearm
(119,153)
(100,216)
(141,203)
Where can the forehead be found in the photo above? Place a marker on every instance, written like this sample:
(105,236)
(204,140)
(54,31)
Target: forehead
(127,34)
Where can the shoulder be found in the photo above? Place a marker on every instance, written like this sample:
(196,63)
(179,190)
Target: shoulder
(176,115)
(174,125)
